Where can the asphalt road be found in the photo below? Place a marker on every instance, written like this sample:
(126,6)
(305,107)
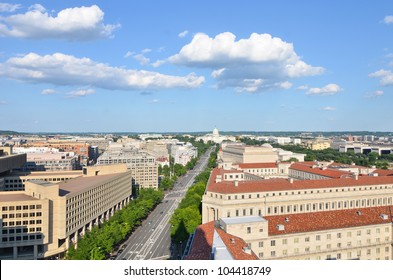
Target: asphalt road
(152,240)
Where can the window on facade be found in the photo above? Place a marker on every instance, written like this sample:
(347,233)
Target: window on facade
(296,240)
(248,229)
(273,243)
(273,253)
(284,241)
(260,244)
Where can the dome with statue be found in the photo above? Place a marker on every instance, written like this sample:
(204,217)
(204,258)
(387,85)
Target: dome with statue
(215,132)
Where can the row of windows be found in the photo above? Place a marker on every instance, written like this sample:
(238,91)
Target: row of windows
(287,209)
(22,238)
(20,230)
(349,255)
(229,197)
(328,245)
(13,223)
(21,207)
(20,215)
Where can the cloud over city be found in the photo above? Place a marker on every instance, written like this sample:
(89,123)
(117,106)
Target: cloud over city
(73,24)
(329,89)
(385,76)
(61,69)
(254,64)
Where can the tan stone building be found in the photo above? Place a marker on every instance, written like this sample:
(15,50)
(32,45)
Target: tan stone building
(224,199)
(364,233)
(47,216)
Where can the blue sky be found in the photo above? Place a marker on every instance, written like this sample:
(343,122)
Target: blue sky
(140,66)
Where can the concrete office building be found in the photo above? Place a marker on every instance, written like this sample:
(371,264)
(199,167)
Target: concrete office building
(9,161)
(47,217)
(143,166)
(15,181)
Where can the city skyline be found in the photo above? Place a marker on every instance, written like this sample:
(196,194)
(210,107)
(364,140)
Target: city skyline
(145,66)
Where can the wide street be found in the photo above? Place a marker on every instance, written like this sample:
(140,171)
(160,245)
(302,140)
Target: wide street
(152,239)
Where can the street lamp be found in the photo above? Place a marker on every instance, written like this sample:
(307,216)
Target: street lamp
(181,249)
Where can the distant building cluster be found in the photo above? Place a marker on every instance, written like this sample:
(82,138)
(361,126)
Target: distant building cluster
(260,202)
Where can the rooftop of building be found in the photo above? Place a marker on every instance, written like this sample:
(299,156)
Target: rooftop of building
(241,220)
(80,183)
(270,185)
(258,165)
(202,245)
(313,168)
(326,220)
(15,196)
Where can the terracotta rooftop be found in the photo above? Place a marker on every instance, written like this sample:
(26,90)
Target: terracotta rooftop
(328,172)
(267,185)
(382,172)
(258,165)
(235,246)
(328,220)
(203,244)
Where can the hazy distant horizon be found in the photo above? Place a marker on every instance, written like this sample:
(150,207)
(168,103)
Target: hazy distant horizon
(193,65)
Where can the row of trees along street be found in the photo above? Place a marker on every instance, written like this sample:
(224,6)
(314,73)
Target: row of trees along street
(368,160)
(188,215)
(169,174)
(98,243)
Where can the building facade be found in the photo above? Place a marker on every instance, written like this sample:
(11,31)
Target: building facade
(47,217)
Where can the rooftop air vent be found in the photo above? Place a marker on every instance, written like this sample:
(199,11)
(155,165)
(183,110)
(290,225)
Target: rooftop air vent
(358,213)
(280,227)
(286,220)
(384,216)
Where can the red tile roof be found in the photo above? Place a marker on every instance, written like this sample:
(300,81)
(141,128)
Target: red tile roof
(318,221)
(203,243)
(382,172)
(331,173)
(267,185)
(258,165)
(235,246)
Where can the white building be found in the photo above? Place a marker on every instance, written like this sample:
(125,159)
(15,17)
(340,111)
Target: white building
(215,137)
(183,153)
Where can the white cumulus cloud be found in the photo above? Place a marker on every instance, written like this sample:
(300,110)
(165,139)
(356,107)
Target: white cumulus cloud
(253,64)
(329,89)
(388,20)
(48,91)
(9,8)
(62,69)
(81,92)
(143,60)
(386,77)
(328,108)
(183,34)
(74,24)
